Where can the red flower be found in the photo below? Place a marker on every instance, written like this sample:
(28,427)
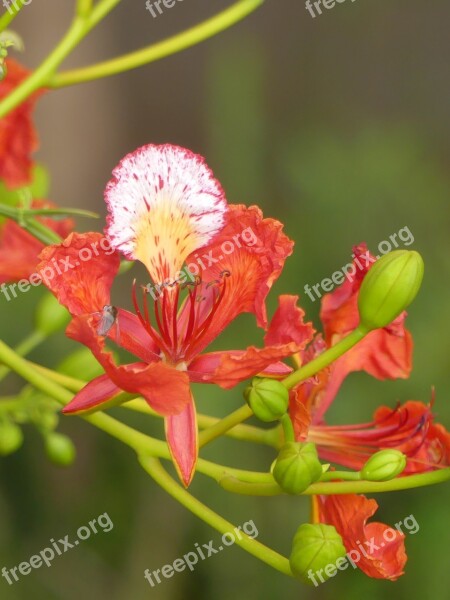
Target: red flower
(19,250)
(384,353)
(18,138)
(164,207)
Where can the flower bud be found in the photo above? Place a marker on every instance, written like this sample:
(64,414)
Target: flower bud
(51,316)
(315,546)
(268,399)
(11,438)
(384,465)
(297,466)
(60,449)
(389,288)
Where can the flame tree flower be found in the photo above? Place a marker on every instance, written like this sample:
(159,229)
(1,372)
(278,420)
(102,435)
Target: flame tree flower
(164,206)
(18,137)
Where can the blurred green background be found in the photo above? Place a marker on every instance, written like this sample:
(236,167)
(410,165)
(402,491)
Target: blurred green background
(339,127)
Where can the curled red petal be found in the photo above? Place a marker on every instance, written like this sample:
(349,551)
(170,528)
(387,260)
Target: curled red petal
(377,549)
(80,271)
(425,443)
(182,437)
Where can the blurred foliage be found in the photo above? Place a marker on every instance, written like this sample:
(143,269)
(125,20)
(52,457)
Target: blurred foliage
(334,187)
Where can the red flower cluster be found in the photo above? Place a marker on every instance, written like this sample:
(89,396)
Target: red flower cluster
(164,205)
(384,354)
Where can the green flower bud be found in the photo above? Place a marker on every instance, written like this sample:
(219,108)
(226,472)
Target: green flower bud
(314,548)
(11,438)
(297,467)
(50,316)
(268,399)
(60,449)
(389,288)
(384,465)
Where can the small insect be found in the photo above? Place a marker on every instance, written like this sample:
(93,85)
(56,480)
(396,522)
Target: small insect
(108,319)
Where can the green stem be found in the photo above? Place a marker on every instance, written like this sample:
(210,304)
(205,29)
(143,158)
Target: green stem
(288,428)
(247,433)
(237,486)
(63,212)
(10,14)
(326,358)
(154,468)
(345,475)
(33,226)
(162,49)
(224,425)
(268,437)
(40,78)
(24,348)
(83,8)
(234,480)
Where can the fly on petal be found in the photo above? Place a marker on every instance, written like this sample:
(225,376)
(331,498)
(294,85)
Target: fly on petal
(108,318)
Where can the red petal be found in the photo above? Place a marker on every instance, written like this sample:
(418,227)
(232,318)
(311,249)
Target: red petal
(18,137)
(299,412)
(253,251)
(288,324)
(131,335)
(81,285)
(165,388)
(229,368)
(99,390)
(19,250)
(349,513)
(426,444)
(182,437)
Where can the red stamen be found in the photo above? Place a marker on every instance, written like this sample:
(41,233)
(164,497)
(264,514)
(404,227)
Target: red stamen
(145,322)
